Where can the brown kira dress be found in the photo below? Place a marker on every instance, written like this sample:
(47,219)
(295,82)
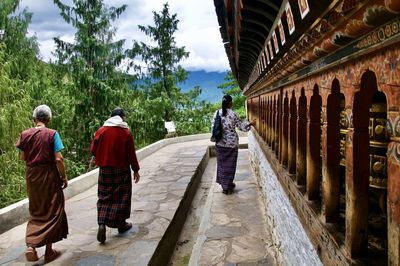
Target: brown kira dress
(47,222)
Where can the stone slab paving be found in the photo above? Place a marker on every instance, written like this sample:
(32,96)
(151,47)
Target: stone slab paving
(165,176)
(233,230)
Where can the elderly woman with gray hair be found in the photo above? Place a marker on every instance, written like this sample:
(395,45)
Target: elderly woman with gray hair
(40,148)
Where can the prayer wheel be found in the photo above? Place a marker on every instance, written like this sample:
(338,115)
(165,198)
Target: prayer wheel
(343,133)
(378,146)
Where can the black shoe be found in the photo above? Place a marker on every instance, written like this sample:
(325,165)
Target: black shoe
(227,191)
(233,185)
(124,228)
(101,234)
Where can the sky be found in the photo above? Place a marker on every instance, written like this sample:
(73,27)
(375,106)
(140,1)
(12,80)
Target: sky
(198,28)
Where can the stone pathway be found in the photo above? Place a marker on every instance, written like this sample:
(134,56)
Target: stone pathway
(230,230)
(166,175)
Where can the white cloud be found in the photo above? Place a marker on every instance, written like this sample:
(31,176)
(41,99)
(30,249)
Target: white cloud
(198,28)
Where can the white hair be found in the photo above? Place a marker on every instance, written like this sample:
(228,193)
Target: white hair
(42,113)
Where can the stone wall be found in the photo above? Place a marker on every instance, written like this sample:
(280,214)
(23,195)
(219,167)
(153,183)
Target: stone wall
(289,235)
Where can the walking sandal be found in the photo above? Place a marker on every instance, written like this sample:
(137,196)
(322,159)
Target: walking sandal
(52,256)
(31,254)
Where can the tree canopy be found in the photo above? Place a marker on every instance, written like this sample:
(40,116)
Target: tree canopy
(90,63)
(163,71)
(86,81)
(231,87)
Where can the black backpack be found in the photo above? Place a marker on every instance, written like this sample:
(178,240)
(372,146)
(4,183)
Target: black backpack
(217,129)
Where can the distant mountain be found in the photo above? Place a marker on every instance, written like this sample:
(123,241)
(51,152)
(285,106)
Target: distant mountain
(208,81)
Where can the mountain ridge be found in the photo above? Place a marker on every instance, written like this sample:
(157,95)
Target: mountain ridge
(208,82)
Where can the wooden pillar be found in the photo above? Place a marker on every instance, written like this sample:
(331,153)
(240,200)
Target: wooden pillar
(265,129)
(268,125)
(314,145)
(277,127)
(285,131)
(280,127)
(280,134)
(357,181)
(250,109)
(273,123)
(331,159)
(269,121)
(301,150)
(253,111)
(292,135)
(312,161)
(266,119)
(262,115)
(247,109)
(258,114)
(325,182)
(331,174)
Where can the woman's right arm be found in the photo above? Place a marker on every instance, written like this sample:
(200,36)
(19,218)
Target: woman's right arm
(133,158)
(242,125)
(61,169)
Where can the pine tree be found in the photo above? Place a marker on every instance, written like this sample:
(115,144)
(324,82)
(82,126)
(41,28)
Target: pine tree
(18,46)
(163,71)
(91,61)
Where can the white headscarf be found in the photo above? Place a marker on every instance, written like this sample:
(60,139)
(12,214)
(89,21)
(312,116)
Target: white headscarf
(115,121)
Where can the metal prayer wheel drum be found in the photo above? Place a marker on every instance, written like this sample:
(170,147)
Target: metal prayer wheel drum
(378,146)
(343,133)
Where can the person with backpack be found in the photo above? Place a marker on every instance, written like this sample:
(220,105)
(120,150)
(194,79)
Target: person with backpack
(224,124)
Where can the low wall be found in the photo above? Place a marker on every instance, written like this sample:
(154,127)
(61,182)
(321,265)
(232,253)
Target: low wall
(288,234)
(18,213)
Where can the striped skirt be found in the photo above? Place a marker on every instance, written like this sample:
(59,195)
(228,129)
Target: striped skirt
(226,166)
(114,196)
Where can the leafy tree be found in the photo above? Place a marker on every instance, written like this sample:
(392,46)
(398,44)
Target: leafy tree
(91,61)
(83,85)
(18,46)
(17,77)
(145,116)
(231,87)
(163,70)
(194,116)
(14,117)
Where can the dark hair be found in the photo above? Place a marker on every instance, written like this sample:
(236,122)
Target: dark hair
(118,111)
(226,100)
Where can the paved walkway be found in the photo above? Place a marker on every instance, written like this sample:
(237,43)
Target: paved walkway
(232,230)
(232,227)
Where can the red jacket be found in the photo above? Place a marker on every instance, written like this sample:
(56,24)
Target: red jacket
(114,147)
